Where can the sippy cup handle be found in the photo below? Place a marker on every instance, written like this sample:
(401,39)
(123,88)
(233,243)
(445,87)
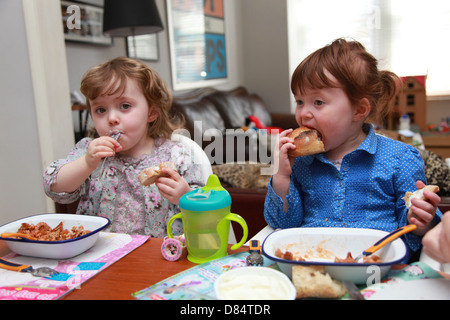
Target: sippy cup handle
(237,218)
(169,224)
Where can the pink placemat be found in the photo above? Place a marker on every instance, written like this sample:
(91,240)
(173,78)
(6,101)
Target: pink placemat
(109,248)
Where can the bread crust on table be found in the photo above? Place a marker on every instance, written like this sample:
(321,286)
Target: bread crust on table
(314,282)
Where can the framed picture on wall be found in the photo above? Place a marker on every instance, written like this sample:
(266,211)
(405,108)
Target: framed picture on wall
(197,36)
(144,47)
(83,23)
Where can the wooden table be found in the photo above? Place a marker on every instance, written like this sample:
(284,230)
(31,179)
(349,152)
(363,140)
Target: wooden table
(136,271)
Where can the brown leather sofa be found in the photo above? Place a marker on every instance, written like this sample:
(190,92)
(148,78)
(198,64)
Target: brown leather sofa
(225,112)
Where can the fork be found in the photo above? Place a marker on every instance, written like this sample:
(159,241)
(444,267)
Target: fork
(45,272)
(115,135)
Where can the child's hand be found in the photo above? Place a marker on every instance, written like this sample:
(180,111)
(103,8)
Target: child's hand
(172,187)
(423,211)
(101,148)
(285,162)
(281,178)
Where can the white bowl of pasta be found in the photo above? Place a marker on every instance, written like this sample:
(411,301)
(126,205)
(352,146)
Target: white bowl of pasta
(53,235)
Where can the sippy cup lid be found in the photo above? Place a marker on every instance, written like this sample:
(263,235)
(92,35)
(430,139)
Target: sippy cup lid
(211,197)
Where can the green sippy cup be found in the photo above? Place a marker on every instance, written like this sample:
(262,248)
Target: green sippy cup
(206,222)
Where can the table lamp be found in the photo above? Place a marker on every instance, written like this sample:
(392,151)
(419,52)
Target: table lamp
(131,18)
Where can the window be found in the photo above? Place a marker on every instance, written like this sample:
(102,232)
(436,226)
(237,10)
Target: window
(409,37)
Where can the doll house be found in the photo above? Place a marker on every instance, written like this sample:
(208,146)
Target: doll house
(411,100)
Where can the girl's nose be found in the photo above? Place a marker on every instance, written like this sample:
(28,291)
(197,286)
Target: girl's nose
(305,113)
(113,118)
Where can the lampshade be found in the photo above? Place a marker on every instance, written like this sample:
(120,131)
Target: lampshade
(123,18)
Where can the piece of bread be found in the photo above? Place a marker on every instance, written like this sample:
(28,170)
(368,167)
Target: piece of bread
(151,174)
(418,194)
(314,282)
(307,141)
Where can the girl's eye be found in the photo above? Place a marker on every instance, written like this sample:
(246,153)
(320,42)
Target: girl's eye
(318,102)
(125,106)
(299,103)
(100,110)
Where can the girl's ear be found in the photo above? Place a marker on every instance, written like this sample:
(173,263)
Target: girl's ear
(362,110)
(152,115)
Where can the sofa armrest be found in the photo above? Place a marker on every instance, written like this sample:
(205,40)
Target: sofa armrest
(284,120)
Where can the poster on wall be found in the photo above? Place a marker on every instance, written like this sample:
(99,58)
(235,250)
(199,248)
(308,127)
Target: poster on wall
(197,43)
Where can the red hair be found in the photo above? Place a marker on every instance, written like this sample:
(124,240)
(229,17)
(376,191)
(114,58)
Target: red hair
(356,72)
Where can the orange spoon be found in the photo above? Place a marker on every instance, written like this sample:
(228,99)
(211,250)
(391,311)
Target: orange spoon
(17,235)
(385,240)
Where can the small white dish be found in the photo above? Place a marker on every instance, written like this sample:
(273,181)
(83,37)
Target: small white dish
(254,283)
(338,241)
(55,249)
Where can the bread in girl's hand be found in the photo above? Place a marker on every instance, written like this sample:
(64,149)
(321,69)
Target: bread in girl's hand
(307,141)
(418,194)
(151,174)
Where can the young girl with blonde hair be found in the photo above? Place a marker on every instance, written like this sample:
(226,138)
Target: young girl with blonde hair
(129,104)
(361,177)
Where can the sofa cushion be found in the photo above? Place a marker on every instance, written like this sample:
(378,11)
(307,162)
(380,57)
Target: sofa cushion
(237,105)
(259,110)
(199,110)
(233,110)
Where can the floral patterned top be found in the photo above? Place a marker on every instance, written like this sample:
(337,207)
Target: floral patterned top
(113,190)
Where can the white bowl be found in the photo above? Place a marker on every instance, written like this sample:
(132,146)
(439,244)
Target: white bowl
(338,241)
(63,249)
(254,283)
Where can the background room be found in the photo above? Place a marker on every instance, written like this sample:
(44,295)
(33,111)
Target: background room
(265,40)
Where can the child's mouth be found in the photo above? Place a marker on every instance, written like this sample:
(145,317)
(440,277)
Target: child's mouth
(115,134)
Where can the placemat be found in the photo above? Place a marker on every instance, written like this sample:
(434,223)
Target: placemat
(196,283)
(109,248)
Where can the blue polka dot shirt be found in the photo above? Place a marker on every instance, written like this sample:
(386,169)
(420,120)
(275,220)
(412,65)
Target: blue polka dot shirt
(366,192)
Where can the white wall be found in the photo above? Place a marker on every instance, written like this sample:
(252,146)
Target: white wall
(35,123)
(265,51)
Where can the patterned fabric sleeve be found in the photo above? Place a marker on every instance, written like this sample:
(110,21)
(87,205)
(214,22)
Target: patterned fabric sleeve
(186,166)
(52,171)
